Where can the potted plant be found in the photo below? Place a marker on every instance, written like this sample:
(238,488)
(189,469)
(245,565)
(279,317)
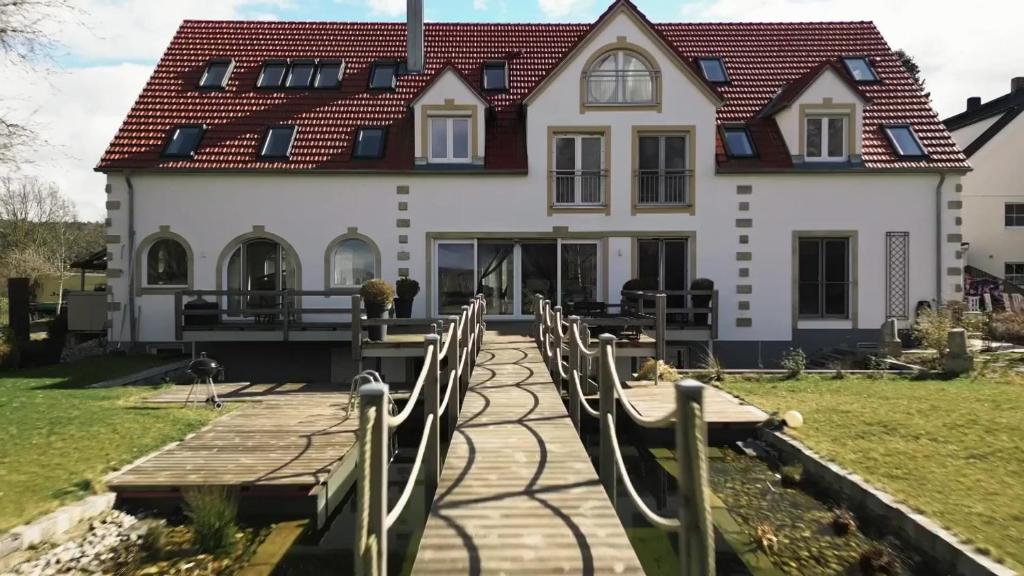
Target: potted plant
(377,297)
(407,289)
(701,300)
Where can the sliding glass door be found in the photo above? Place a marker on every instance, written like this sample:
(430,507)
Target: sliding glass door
(496,265)
(456,280)
(539,265)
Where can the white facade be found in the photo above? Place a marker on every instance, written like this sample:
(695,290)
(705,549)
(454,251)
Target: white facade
(741,229)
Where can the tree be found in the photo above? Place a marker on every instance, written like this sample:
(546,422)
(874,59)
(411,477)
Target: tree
(910,65)
(38,231)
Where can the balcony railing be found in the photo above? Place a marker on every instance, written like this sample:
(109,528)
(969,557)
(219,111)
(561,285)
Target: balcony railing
(622,87)
(582,188)
(663,187)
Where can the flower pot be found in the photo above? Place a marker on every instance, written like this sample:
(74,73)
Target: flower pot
(375,310)
(403,307)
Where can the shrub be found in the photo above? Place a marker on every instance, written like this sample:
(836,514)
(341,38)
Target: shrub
(212,510)
(666,373)
(407,288)
(879,559)
(843,521)
(154,541)
(791,474)
(1007,327)
(932,328)
(377,292)
(794,362)
(715,372)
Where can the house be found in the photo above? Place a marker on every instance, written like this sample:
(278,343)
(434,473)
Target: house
(798,166)
(992,137)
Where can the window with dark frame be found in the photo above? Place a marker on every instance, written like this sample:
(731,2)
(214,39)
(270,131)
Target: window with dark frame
(272,75)
(383,75)
(860,68)
(823,274)
(328,74)
(216,74)
(184,141)
(496,76)
(1013,272)
(713,70)
(1014,214)
(166,263)
(663,173)
(905,142)
(369,143)
(278,142)
(300,74)
(738,143)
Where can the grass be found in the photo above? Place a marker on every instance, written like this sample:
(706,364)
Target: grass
(59,437)
(950,449)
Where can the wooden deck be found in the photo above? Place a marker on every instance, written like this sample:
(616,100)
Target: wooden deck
(289,441)
(719,407)
(518,494)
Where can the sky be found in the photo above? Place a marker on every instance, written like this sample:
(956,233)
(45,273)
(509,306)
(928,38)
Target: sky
(108,49)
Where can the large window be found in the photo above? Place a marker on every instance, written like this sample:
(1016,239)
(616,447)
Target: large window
(1013,272)
(620,77)
(353,262)
(455,276)
(663,173)
(260,264)
(579,273)
(579,171)
(825,138)
(824,277)
(166,264)
(1014,214)
(450,139)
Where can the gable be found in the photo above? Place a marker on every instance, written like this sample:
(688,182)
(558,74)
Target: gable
(825,94)
(449,94)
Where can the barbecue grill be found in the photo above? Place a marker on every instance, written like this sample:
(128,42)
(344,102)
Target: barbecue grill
(204,370)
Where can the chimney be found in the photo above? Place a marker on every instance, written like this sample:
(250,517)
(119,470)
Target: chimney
(414,39)
(973,103)
(1017,84)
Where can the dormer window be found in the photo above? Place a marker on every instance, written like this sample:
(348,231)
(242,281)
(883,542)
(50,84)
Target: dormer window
(328,74)
(369,143)
(272,75)
(300,74)
(450,138)
(620,77)
(383,75)
(713,70)
(860,69)
(184,141)
(496,76)
(277,144)
(216,74)
(826,138)
(738,143)
(905,142)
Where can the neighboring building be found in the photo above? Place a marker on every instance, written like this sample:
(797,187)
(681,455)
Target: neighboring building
(992,137)
(798,166)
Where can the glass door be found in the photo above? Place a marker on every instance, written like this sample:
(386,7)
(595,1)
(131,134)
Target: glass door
(495,264)
(456,276)
(662,265)
(579,276)
(538,272)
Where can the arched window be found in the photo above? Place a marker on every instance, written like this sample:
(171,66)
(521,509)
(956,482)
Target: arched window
(620,77)
(167,264)
(353,261)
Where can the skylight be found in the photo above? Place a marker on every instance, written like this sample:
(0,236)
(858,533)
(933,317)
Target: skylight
(272,75)
(278,142)
(382,75)
(860,69)
(216,74)
(713,69)
(184,141)
(369,143)
(496,76)
(737,142)
(328,74)
(905,142)
(300,75)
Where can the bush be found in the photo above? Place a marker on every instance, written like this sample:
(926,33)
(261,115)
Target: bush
(154,541)
(212,510)
(666,373)
(1007,327)
(407,288)
(794,362)
(377,292)
(791,474)
(713,368)
(932,329)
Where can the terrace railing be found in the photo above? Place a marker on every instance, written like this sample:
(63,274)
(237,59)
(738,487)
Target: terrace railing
(457,354)
(565,346)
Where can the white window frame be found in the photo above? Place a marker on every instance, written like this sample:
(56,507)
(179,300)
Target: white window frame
(333,261)
(602,171)
(1006,206)
(448,158)
(620,74)
(823,117)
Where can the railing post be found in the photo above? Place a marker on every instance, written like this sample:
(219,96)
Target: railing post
(574,368)
(357,330)
(453,368)
(284,315)
(371,557)
(586,362)
(432,405)
(481,302)
(467,370)
(536,318)
(556,336)
(607,406)
(696,535)
(660,303)
(179,314)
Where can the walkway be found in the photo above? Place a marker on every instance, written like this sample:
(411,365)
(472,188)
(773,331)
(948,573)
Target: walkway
(518,494)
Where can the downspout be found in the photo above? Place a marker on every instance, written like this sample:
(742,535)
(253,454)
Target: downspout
(938,240)
(131,261)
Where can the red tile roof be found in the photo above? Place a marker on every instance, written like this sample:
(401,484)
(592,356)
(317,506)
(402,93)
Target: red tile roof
(761,59)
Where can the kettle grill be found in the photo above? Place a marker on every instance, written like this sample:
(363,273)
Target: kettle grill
(204,370)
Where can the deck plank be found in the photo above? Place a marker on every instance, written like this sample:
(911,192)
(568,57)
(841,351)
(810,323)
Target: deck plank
(518,494)
(719,407)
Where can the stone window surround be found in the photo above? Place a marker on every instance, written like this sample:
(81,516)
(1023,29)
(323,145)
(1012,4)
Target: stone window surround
(450,110)
(825,323)
(621,44)
(828,108)
(351,234)
(164,233)
(688,130)
(605,132)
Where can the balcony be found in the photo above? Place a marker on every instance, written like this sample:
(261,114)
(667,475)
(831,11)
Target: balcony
(662,188)
(622,87)
(579,188)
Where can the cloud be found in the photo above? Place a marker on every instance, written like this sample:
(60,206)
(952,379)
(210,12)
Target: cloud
(389,8)
(961,51)
(562,8)
(480,5)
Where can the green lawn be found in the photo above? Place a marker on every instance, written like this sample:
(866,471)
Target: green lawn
(951,449)
(58,438)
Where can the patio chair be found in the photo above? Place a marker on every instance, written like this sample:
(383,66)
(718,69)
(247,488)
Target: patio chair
(1017,302)
(988,302)
(974,303)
